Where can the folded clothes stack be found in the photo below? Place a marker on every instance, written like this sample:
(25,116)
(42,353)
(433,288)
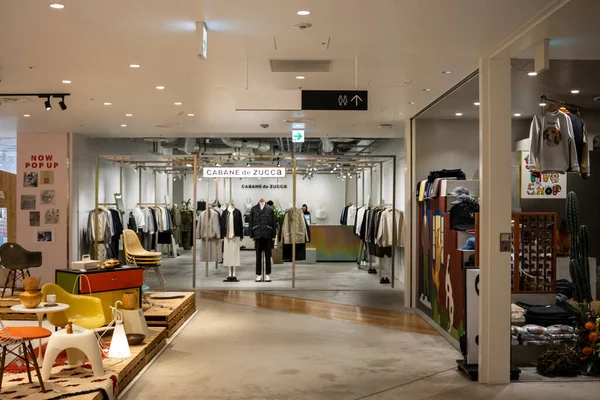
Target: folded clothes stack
(546,315)
(534,334)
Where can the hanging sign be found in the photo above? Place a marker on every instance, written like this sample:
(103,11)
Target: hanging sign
(298,136)
(243,172)
(343,100)
(541,186)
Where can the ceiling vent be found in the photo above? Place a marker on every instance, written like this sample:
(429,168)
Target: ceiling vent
(301,65)
(166,126)
(13,100)
(385,126)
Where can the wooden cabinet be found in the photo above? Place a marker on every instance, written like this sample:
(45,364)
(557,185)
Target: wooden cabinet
(534,238)
(107,285)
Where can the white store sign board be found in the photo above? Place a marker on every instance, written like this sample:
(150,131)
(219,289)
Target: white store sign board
(546,186)
(243,172)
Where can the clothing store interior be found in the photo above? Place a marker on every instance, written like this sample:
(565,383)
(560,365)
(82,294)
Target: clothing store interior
(556,149)
(207,231)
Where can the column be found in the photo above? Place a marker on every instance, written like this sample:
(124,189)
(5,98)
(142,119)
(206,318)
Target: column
(495,215)
(410,217)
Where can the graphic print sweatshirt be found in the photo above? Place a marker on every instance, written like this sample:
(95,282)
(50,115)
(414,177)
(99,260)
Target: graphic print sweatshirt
(552,144)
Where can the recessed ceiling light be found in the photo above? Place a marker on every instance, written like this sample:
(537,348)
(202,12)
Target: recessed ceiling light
(411,102)
(26,115)
(134,65)
(517,115)
(178,103)
(190,115)
(300,77)
(160,87)
(188,165)
(398,113)
(57,6)
(123,125)
(303,12)
(129,115)
(542,104)
(446,72)
(66,82)
(575,91)
(532,73)
(108,104)
(458,114)
(427,90)
(476,104)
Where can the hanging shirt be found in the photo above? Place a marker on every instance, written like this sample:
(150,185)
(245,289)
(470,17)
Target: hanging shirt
(140,220)
(359,218)
(351,217)
(552,144)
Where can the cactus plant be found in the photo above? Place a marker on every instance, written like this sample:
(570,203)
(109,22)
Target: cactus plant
(579,266)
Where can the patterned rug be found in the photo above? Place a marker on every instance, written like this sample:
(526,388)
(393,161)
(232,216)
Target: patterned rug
(64,382)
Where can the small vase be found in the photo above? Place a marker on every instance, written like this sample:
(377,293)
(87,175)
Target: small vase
(130,301)
(31,297)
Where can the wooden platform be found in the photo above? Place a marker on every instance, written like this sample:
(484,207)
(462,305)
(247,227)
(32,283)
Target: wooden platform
(6,314)
(172,314)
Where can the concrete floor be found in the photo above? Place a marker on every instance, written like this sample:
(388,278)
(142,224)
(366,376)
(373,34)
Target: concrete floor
(231,351)
(321,276)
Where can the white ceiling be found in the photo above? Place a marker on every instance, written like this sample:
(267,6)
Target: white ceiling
(401,45)
(574,64)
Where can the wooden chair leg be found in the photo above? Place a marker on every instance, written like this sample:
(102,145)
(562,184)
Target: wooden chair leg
(26,358)
(2,361)
(37,367)
(14,280)
(7,282)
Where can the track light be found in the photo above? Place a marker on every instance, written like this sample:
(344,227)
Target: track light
(47,104)
(62,104)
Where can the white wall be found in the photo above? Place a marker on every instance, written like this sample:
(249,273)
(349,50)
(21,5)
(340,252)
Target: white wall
(446,144)
(83,178)
(323,190)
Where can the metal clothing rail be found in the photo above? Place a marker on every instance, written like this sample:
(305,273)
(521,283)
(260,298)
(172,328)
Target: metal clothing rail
(561,102)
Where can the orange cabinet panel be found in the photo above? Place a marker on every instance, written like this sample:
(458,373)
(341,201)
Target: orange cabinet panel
(113,280)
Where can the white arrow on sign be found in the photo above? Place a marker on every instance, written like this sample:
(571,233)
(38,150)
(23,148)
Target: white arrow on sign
(357,99)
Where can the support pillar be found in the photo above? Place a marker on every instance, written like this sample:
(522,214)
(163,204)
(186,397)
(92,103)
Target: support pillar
(411,273)
(495,216)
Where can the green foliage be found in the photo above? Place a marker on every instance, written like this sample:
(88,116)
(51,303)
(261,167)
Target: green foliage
(561,362)
(579,266)
(279,216)
(185,205)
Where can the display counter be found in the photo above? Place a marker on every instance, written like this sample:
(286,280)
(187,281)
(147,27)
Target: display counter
(334,242)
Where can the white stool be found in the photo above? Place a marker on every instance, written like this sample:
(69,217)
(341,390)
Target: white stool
(78,345)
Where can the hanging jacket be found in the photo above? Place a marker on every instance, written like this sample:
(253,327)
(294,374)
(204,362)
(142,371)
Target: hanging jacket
(295,230)
(238,226)
(262,222)
(210,228)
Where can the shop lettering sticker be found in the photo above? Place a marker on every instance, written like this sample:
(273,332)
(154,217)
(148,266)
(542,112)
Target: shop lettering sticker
(541,186)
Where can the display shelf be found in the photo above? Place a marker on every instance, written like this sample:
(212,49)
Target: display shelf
(533,242)
(6,314)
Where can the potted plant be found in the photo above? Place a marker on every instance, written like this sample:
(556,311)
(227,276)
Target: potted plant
(587,319)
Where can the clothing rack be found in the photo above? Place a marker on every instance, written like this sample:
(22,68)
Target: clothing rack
(561,102)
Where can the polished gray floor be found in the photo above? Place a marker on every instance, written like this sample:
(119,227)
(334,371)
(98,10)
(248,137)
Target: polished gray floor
(230,351)
(342,276)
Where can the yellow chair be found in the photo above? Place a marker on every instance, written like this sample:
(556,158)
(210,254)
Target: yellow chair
(83,311)
(135,254)
(133,247)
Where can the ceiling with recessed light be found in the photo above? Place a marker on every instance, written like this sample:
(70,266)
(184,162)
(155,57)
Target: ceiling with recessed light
(114,57)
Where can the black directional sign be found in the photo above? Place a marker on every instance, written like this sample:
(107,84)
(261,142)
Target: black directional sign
(343,100)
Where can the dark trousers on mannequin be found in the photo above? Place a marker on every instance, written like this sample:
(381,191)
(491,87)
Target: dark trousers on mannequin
(263,245)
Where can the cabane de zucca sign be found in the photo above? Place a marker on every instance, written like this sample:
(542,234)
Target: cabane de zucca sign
(243,172)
